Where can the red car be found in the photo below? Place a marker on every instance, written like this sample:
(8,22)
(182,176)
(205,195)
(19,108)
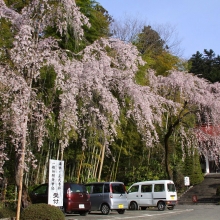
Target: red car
(75,198)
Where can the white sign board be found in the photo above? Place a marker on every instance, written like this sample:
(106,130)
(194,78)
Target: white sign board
(186,181)
(56,179)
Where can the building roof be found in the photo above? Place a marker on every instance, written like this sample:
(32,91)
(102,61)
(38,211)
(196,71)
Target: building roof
(206,132)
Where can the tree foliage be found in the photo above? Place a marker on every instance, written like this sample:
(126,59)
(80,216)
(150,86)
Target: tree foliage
(86,83)
(99,20)
(149,41)
(194,97)
(205,65)
(155,51)
(87,108)
(158,45)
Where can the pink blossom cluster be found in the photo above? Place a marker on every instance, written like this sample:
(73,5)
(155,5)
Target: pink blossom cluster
(195,96)
(102,69)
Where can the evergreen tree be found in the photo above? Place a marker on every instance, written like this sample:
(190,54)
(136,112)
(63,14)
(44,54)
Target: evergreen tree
(98,18)
(149,41)
(205,65)
(155,52)
(192,167)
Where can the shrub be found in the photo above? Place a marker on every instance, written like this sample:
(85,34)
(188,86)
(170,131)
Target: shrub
(7,212)
(42,211)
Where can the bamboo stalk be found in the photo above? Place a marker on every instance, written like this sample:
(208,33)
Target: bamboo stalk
(101,163)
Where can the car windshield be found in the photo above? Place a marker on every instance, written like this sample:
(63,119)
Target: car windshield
(133,189)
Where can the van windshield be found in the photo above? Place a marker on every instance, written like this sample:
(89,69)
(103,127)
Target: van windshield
(118,188)
(171,187)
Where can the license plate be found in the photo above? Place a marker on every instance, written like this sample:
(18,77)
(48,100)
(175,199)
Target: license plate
(172,197)
(120,206)
(81,206)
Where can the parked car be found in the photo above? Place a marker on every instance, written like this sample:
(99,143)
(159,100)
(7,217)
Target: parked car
(155,193)
(75,198)
(107,196)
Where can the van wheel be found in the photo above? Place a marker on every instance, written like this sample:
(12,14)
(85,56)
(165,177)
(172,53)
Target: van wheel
(121,211)
(133,206)
(171,207)
(105,209)
(161,206)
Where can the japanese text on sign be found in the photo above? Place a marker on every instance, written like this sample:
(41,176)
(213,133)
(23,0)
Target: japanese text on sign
(56,178)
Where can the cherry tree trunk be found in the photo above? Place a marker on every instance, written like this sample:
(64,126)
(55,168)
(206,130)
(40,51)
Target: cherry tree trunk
(167,161)
(45,167)
(168,151)
(167,147)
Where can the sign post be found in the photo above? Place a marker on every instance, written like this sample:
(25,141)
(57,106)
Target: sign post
(56,178)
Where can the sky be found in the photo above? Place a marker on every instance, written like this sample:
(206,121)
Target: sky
(196,22)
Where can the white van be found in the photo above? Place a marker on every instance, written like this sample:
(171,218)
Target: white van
(155,193)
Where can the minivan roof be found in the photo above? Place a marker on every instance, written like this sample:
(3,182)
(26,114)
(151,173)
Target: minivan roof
(154,181)
(103,182)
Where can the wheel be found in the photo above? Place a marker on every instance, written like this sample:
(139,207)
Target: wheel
(143,208)
(84,213)
(105,209)
(170,207)
(133,206)
(121,211)
(161,206)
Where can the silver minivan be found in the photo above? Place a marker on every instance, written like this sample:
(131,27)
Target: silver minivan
(107,196)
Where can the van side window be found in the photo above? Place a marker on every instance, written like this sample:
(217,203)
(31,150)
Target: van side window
(158,187)
(146,188)
(97,188)
(106,188)
(134,189)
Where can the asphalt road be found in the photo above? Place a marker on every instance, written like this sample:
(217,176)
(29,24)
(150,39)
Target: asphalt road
(180,212)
